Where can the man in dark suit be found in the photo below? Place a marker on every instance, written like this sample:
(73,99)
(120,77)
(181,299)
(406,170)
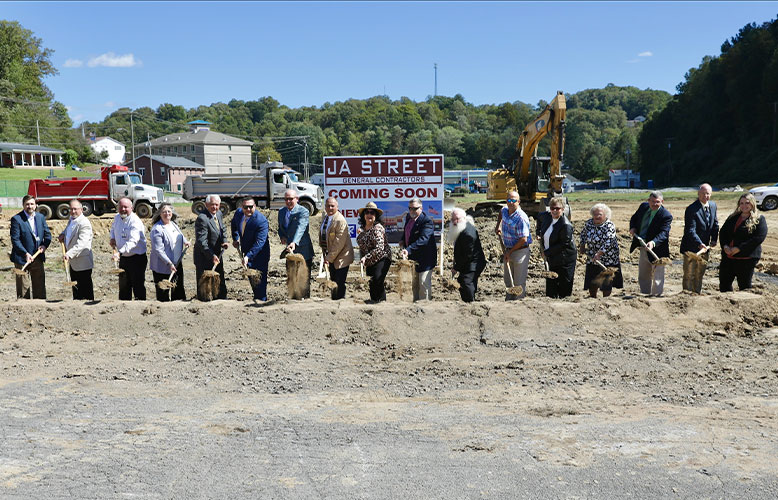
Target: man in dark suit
(249,234)
(700,232)
(469,259)
(30,234)
(210,242)
(293,231)
(418,243)
(651,222)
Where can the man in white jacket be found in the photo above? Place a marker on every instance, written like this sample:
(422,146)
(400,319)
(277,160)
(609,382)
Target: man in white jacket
(77,238)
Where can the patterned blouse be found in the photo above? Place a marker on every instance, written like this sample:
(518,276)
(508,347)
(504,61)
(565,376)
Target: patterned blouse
(601,238)
(373,245)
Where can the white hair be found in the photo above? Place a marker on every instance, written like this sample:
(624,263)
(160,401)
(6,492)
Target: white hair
(213,197)
(601,206)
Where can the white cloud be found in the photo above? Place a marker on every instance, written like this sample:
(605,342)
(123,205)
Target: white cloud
(73,63)
(647,53)
(111,60)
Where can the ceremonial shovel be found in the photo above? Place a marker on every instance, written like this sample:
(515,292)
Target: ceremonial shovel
(606,276)
(23,270)
(514,289)
(253,275)
(68,283)
(324,276)
(169,284)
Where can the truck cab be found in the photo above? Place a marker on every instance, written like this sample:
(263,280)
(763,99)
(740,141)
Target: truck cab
(122,182)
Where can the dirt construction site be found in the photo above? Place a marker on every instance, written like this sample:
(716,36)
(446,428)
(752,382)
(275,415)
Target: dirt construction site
(619,397)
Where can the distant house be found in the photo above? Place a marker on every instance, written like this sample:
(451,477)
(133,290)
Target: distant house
(624,179)
(635,121)
(218,153)
(170,171)
(114,148)
(16,155)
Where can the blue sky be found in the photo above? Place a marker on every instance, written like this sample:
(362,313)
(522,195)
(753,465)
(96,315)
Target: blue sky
(115,54)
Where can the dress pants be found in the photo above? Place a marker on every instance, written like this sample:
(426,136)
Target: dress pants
(377,273)
(562,285)
(422,285)
(37,277)
(468,284)
(339,277)
(650,278)
(133,280)
(83,290)
(519,262)
(742,269)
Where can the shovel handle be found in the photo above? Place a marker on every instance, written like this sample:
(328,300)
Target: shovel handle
(34,256)
(600,264)
(643,244)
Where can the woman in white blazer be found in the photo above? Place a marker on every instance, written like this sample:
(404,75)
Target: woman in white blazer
(167,249)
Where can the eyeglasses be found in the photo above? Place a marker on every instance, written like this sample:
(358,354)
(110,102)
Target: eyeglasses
(287,199)
(511,200)
(413,208)
(370,212)
(249,207)
(555,208)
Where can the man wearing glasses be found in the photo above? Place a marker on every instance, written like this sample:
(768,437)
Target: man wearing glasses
(513,228)
(77,238)
(293,231)
(419,245)
(249,235)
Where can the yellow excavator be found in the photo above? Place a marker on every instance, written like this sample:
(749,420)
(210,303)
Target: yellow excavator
(537,179)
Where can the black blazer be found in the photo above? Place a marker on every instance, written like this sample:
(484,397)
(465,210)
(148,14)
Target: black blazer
(698,229)
(561,251)
(658,230)
(468,254)
(422,246)
(210,233)
(750,244)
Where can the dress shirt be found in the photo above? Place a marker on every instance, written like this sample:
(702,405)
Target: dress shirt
(547,234)
(31,222)
(129,235)
(69,230)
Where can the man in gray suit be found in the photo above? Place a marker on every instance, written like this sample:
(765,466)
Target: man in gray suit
(77,238)
(293,231)
(210,242)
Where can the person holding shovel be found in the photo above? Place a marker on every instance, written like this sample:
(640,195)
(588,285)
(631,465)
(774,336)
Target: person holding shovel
(600,244)
(741,237)
(167,251)
(514,230)
(700,232)
(293,231)
(469,259)
(418,244)
(374,250)
(335,243)
(128,240)
(651,222)
(210,243)
(250,236)
(30,237)
(77,238)
(555,234)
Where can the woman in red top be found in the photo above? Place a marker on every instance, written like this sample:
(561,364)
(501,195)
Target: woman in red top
(741,239)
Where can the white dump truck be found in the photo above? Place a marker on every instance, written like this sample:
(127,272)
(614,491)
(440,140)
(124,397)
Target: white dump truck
(266,186)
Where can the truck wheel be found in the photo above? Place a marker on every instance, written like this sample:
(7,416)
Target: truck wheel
(198,207)
(770,203)
(143,210)
(225,208)
(62,211)
(306,204)
(45,211)
(99,209)
(88,209)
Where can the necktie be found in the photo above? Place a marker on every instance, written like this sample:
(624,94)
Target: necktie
(243,225)
(707,214)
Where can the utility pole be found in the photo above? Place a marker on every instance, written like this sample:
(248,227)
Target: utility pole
(151,160)
(436,79)
(305,164)
(38,129)
(132,148)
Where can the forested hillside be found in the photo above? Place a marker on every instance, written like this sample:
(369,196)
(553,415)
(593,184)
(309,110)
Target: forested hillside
(597,139)
(721,126)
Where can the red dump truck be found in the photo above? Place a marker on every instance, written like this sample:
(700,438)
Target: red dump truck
(98,195)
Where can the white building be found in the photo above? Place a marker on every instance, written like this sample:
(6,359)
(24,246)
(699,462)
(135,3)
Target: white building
(115,149)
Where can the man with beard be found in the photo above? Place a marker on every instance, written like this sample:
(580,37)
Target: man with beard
(469,260)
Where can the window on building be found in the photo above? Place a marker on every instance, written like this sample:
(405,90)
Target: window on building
(192,148)
(162,170)
(142,171)
(230,170)
(229,147)
(178,188)
(230,157)
(175,149)
(168,149)
(117,148)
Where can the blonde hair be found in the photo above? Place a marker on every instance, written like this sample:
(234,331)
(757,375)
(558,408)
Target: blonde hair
(753,219)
